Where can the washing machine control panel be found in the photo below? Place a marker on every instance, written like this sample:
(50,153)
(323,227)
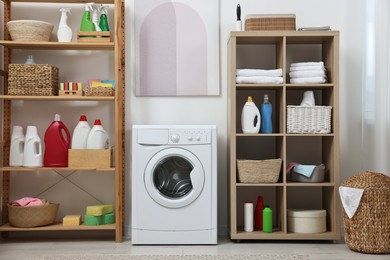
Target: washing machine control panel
(189,136)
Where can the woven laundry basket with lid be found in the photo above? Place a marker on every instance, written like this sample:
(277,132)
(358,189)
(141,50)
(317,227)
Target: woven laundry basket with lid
(368,231)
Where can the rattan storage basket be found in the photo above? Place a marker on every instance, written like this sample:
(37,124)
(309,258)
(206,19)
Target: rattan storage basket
(267,22)
(30,30)
(368,231)
(309,119)
(33,216)
(258,171)
(32,80)
(99,91)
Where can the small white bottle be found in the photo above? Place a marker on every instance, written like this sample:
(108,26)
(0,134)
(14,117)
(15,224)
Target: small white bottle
(17,146)
(80,134)
(250,117)
(33,156)
(248,216)
(64,33)
(98,137)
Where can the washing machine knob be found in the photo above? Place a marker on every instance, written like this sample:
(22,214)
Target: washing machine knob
(175,138)
(197,138)
(189,138)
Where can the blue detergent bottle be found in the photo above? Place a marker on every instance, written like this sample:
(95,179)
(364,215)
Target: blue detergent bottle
(266,116)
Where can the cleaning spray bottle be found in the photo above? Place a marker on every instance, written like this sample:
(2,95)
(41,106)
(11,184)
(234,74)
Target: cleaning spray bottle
(95,17)
(98,137)
(56,144)
(64,33)
(103,24)
(86,23)
(250,117)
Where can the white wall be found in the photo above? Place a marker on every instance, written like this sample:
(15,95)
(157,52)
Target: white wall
(213,109)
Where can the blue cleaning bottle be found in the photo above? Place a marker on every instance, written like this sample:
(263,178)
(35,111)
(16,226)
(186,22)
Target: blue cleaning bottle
(266,116)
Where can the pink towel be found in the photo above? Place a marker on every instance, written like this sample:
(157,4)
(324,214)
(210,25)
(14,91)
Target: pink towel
(27,201)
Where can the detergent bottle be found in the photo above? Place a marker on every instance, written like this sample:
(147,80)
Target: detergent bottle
(64,33)
(95,17)
(80,134)
(56,144)
(98,137)
(250,117)
(103,24)
(266,116)
(17,146)
(86,23)
(32,148)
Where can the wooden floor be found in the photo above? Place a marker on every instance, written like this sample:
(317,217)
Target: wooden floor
(16,248)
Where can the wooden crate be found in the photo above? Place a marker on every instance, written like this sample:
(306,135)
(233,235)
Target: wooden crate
(98,37)
(70,93)
(90,158)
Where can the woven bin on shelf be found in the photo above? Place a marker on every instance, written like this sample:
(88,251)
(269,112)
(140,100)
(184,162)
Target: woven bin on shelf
(314,119)
(368,231)
(32,80)
(258,171)
(33,216)
(99,91)
(267,22)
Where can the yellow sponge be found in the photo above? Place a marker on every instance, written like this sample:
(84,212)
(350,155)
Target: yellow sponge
(99,210)
(71,220)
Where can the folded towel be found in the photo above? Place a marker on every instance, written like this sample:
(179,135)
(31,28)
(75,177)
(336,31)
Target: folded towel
(307,74)
(312,80)
(259,80)
(27,202)
(310,63)
(259,72)
(306,170)
(313,67)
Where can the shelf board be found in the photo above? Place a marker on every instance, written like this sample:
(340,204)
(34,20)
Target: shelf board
(260,135)
(91,98)
(310,184)
(316,135)
(25,169)
(283,235)
(57,226)
(260,184)
(309,86)
(259,86)
(58,45)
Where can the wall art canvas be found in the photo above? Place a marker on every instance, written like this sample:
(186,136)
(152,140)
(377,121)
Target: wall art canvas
(177,47)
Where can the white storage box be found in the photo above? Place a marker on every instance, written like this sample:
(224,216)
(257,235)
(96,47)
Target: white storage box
(313,120)
(306,221)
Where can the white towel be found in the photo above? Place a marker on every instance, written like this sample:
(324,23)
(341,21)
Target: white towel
(259,72)
(310,63)
(259,80)
(312,80)
(307,74)
(314,67)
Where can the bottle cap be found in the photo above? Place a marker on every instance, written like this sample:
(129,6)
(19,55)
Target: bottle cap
(83,118)
(97,122)
(249,202)
(249,99)
(57,117)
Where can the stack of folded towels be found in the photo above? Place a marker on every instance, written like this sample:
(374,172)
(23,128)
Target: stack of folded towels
(307,72)
(258,76)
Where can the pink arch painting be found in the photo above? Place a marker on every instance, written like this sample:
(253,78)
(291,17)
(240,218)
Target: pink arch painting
(173,52)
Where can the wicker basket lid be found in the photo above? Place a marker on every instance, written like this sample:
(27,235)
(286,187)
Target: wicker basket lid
(367,180)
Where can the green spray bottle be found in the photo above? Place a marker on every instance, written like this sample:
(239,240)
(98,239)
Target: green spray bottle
(103,24)
(86,23)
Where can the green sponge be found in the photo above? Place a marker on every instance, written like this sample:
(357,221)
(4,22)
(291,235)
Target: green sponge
(99,220)
(99,210)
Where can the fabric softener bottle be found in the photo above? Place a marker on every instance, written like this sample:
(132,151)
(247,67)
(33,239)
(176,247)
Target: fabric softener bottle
(266,116)
(57,141)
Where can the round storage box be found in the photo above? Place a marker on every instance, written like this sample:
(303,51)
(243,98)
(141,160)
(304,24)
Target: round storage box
(32,216)
(306,221)
(368,231)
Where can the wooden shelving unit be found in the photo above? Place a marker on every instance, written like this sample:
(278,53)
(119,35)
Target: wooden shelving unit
(117,47)
(272,50)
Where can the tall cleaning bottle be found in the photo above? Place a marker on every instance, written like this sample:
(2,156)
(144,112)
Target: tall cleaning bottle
(17,146)
(57,142)
(98,137)
(86,23)
(95,17)
(266,116)
(80,133)
(32,148)
(250,117)
(103,23)
(64,33)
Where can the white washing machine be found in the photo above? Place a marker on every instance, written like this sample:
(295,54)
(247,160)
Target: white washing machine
(174,184)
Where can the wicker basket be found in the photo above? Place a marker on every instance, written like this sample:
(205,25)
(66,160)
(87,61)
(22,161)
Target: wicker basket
(29,30)
(368,231)
(99,91)
(33,216)
(266,22)
(310,119)
(32,80)
(258,171)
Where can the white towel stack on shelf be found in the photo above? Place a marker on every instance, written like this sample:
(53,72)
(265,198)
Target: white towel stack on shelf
(258,76)
(307,72)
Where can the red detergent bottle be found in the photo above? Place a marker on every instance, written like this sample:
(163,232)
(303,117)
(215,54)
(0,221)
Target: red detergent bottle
(57,141)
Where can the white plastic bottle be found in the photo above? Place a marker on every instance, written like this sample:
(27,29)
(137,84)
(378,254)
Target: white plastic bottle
(64,33)
(33,156)
(248,217)
(250,117)
(80,134)
(98,137)
(17,146)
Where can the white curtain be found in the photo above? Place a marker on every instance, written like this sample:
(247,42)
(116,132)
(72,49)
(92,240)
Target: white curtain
(376,87)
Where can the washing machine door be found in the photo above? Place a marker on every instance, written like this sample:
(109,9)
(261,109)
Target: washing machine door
(174,177)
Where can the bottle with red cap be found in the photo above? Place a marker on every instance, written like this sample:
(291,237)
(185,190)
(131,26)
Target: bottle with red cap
(57,142)
(80,133)
(98,137)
